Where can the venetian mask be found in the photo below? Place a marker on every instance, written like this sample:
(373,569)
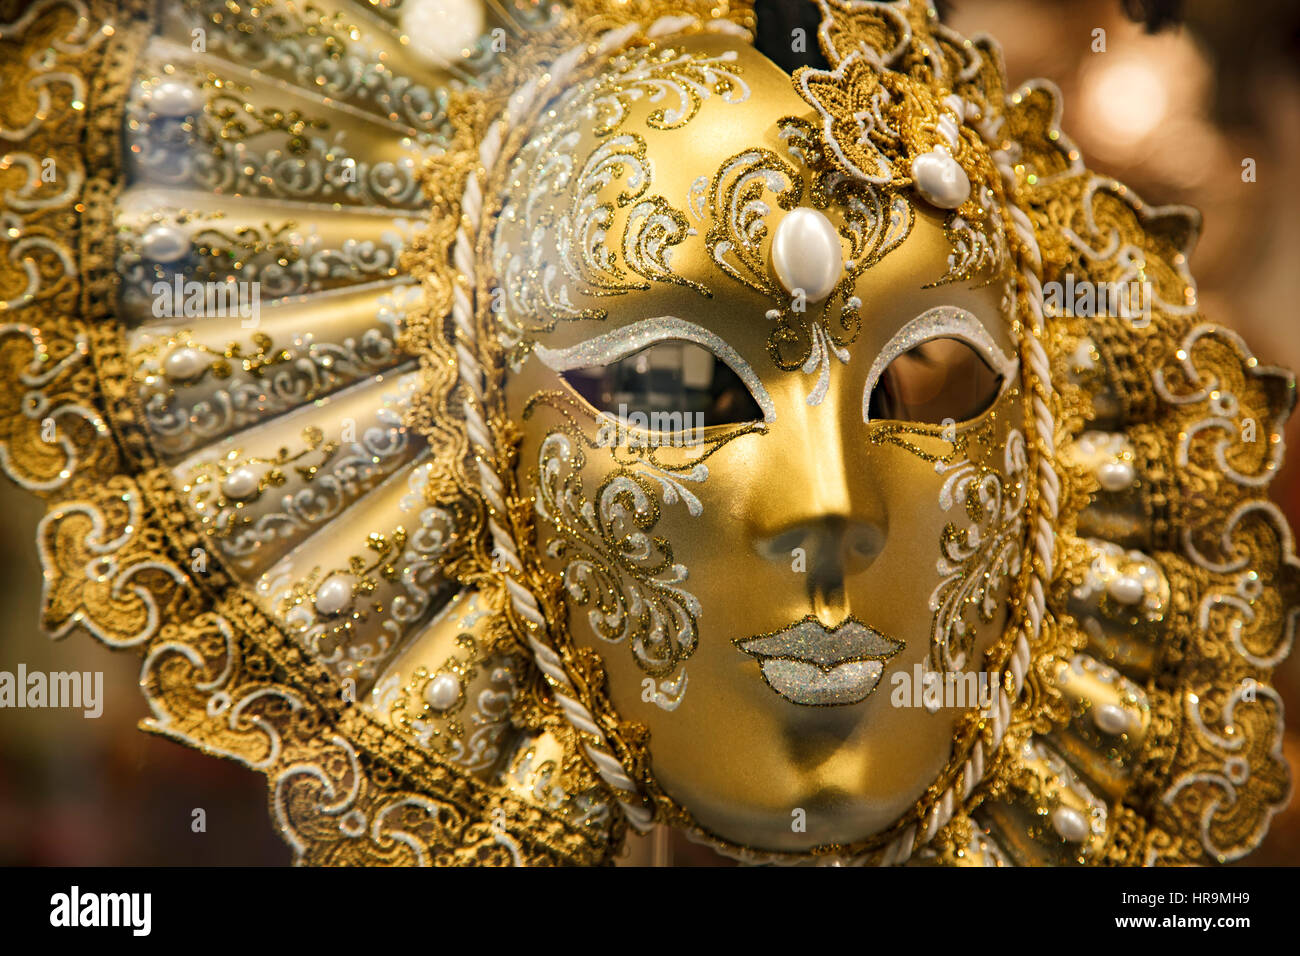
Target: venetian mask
(733,418)
(606,429)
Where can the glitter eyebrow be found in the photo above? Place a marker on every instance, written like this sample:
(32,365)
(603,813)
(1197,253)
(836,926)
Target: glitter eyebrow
(619,343)
(944,321)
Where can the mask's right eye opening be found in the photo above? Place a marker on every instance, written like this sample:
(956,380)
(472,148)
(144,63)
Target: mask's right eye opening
(940,379)
(668,377)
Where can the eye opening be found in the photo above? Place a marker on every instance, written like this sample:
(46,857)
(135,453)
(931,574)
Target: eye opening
(941,366)
(941,379)
(674,383)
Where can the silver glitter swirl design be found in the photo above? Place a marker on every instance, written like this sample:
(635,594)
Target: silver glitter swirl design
(942,321)
(622,342)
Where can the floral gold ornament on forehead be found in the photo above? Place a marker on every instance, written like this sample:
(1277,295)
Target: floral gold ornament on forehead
(615,430)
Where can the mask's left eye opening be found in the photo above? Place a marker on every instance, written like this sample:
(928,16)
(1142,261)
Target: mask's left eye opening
(664,378)
(940,379)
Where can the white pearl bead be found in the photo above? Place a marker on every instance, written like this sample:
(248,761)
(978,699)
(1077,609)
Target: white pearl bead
(940,179)
(440,30)
(184,364)
(1070,824)
(1115,475)
(1110,719)
(442,692)
(334,594)
(163,243)
(806,253)
(1125,589)
(174,99)
(240,483)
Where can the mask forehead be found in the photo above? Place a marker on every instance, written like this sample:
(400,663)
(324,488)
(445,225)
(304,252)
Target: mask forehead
(617,211)
(599,226)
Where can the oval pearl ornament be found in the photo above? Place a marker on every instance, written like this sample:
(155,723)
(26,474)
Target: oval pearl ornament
(940,179)
(334,594)
(1110,719)
(440,31)
(1070,824)
(240,484)
(164,243)
(1115,475)
(1125,589)
(174,99)
(185,364)
(806,253)
(442,692)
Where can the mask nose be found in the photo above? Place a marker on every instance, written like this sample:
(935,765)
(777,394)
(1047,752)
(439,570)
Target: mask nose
(828,520)
(827,549)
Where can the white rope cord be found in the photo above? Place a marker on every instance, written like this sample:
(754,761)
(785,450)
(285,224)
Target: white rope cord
(1031,267)
(471,374)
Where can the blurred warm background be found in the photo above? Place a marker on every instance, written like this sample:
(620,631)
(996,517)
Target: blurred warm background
(1171,113)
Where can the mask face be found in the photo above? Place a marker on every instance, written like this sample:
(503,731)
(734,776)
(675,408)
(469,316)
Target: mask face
(774,446)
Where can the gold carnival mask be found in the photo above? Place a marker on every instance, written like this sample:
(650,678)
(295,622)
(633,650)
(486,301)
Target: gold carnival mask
(750,554)
(602,427)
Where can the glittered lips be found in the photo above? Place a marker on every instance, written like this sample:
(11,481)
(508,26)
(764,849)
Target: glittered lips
(807,663)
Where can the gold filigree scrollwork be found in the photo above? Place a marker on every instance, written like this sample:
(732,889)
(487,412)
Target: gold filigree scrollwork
(978,559)
(738,203)
(222,676)
(572,200)
(1229,777)
(614,562)
(876,123)
(103,572)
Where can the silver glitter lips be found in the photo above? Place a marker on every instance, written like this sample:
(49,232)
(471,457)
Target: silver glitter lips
(808,664)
